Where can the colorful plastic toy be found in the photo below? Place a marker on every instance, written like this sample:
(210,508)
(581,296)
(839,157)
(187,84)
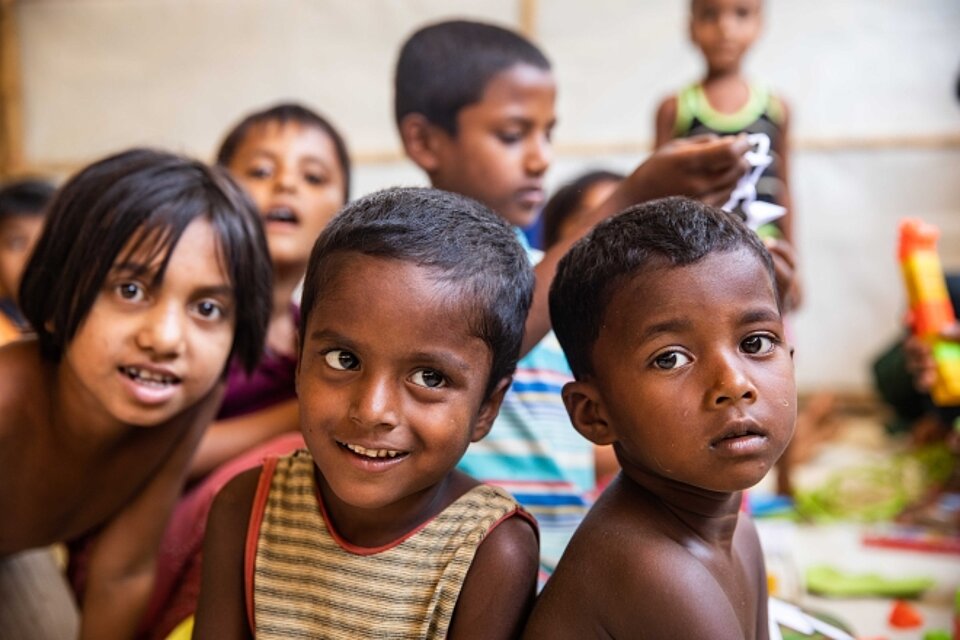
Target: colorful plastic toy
(930,307)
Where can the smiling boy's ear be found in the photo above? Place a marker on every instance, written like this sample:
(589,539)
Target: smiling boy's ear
(419,138)
(587,412)
(489,410)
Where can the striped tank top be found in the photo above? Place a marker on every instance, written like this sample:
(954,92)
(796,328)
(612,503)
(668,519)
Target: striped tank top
(304,581)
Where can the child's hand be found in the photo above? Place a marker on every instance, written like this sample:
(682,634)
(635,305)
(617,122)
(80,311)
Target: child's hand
(785,270)
(919,358)
(705,167)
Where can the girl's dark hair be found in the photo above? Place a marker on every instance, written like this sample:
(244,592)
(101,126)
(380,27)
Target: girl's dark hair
(567,199)
(142,200)
(675,231)
(283,114)
(459,239)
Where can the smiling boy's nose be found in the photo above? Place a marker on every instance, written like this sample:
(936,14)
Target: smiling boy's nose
(374,403)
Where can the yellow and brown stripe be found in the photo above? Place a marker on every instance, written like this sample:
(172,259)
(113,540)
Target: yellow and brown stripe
(307,585)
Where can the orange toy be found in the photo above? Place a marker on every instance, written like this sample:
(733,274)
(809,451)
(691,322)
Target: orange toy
(930,307)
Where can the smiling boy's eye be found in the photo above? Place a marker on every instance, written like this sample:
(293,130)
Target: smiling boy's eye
(428,378)
(130,291)
(341,360)
(671,360)
(757,344)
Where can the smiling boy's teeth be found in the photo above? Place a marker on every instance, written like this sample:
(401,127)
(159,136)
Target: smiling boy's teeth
(372,453)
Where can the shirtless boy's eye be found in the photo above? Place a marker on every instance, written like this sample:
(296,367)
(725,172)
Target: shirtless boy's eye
(341,360)
(757,344)
(670,360)
(428,378)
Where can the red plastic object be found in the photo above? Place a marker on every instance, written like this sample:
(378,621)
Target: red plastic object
(904,616)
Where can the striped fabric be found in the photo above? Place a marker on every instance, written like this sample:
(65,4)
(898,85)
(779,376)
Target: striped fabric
(534,452)
(309,583)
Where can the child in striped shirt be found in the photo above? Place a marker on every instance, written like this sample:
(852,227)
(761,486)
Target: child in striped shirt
(412,318)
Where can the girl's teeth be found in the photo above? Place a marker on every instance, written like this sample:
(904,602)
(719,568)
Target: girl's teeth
(148,377)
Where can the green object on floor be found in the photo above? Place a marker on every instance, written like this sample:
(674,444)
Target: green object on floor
(937,634)
(829,581)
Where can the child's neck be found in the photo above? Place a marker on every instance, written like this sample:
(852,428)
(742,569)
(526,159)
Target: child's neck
(712,515)
(726,90)
(281,332)
(373,528)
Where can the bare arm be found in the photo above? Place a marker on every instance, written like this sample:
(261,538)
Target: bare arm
(787,223)
(226,439)
(665,122)
(500,586)
(703,167)
(122,564)
(222,611)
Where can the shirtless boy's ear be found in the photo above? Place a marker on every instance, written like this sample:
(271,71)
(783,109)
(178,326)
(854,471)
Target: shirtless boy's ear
(489,410)
(419,138)
(587,412)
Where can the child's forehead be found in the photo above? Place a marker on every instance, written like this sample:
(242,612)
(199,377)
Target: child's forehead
(150,248)
(518,83)
(738,276)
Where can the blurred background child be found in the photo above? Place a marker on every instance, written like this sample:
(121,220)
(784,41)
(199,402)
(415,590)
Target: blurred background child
(726,102)
(22,208)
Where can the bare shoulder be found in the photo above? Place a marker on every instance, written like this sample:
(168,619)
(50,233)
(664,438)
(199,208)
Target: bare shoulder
(26,381)
(622,554)
(502,578)
(234,502)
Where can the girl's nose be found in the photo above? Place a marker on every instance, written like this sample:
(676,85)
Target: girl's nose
(162,331)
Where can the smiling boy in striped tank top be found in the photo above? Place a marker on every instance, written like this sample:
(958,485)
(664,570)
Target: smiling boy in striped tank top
(412,318)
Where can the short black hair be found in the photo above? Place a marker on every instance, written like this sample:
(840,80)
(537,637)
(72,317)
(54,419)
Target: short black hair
(567,199)
(675,231)
(142,199)
(460,240)
(446,66)
(25,197)
(285,113)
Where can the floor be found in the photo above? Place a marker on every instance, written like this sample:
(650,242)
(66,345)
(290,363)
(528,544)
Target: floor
(860,448)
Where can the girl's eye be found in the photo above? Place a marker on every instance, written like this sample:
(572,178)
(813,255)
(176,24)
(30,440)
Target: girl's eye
(757,344)
(671,360)
(130,291)
(315,178)
(210,310)
(510,137)
(428,378)
(341,360)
